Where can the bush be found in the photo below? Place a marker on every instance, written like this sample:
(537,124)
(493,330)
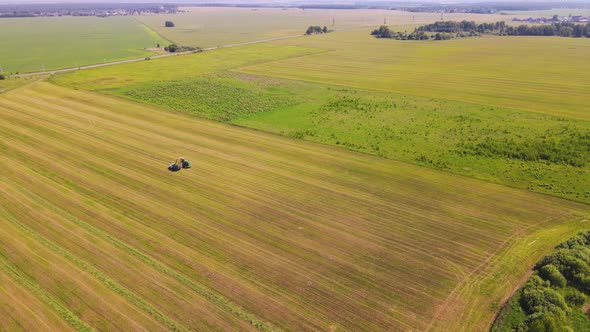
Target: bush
(2,77)
(571,147)
(576,297)
(315,29)
(173,48)
(538,298)
(551,273)
(169,24)
(542,323)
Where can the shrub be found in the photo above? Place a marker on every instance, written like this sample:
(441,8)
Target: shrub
(541,322)
(551,273)
(314,29)
(2,77)
(576,297)
(537,298)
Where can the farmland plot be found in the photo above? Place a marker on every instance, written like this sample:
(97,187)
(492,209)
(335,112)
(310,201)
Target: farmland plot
(538,74)
(43,43)
(264,232)
(215,26)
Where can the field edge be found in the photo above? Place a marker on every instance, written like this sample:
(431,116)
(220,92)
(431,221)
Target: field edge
(512,266)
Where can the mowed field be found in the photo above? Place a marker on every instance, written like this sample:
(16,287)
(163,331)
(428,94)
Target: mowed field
(215,26)
(34,44)
(527,73)
(264,232)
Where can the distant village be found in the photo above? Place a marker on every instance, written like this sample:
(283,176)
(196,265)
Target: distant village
(554,19)
(105,10)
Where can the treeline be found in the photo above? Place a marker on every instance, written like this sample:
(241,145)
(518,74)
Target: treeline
(463,26)
(450,29)
(316,29)
(385,32)
(555,293)
(563,29)
(173,48)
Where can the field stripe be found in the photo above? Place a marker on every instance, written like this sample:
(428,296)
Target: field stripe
(103,278)
(17,276)
(200,289)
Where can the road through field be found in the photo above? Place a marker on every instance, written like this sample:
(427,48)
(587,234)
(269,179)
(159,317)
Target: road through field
(264,232)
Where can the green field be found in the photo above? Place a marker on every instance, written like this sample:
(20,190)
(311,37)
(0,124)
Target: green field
(34,44)
(263,232)
(214,26)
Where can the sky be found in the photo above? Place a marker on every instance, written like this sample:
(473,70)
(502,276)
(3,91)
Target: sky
(564,2)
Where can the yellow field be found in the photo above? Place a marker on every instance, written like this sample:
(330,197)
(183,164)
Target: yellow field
(215,26)
(262,233)
(528,73)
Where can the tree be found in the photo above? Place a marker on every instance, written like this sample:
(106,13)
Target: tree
(566,31)
(578,30)
(382,32)
(2,77)
(325,29)
(169,24)
(313,29)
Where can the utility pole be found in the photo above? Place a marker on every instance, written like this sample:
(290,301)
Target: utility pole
(385,21)
(333,21)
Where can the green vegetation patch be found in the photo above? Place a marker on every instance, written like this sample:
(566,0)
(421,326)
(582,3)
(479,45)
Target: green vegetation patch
(555,298)
(14,82)
(535,151)
(216,98)
(182,67)
(566,146)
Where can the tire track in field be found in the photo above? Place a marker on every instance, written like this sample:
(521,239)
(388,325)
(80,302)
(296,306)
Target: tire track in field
(119,289)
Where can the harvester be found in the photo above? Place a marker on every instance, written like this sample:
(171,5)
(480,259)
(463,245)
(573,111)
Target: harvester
(179,164)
